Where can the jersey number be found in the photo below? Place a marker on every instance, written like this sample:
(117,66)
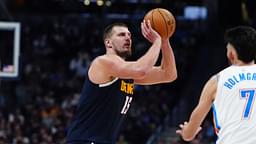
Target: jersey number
(248,94)
(126,106)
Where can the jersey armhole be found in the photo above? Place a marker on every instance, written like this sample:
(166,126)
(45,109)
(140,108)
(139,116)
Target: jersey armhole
(108,83)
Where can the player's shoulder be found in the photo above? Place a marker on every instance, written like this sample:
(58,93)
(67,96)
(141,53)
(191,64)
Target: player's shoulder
(213,79)
(99,69)
(234,68)
(107,59)
(227,69)
(226,72)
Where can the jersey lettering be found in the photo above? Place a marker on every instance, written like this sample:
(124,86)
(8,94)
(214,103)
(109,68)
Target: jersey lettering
(248,94)
(126,106)
(127,87)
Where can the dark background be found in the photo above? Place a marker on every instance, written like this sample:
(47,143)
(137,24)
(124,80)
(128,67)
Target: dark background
(60,38)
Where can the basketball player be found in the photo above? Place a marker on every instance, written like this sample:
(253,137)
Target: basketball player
(109,86)
(231,93)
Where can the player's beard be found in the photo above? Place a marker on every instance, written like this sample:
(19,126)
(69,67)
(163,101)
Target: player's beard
(124,54)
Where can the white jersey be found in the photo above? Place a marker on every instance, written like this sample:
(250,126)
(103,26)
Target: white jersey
(234,107)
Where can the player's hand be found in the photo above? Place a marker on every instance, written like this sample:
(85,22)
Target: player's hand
(182,133)
(148,32)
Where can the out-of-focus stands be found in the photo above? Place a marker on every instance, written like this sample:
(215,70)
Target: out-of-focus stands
(55,53)
(56,50)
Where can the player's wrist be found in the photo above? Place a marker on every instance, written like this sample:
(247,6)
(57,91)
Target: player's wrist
(165,43)
(158,41)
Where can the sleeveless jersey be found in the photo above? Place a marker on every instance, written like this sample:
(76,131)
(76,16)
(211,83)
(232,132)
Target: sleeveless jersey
(100,112)
(234,107)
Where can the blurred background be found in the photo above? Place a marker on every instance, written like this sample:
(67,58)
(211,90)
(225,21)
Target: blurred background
(59,39)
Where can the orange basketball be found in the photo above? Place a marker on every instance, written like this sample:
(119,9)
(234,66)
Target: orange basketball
(162,21)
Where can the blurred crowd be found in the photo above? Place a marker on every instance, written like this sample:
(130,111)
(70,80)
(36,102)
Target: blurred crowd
(37,107)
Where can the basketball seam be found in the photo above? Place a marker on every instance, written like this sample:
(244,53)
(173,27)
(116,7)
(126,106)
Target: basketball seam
(164,22)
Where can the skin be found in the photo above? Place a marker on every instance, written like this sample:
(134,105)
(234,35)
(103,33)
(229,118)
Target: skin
(112,65)
(189,130)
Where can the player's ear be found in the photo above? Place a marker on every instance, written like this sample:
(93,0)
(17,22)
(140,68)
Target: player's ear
(108,43)
(231,53)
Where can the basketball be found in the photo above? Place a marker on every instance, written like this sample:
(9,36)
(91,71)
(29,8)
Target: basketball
(162,21)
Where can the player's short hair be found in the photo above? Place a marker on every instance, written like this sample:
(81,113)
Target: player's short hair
(108,30)
(243,39)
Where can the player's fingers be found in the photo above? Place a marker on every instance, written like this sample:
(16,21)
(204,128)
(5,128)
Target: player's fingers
(143,26)
(199,129)
(149,26)
(147,30)
(142,29)
(178,132)
(181,126)
(152,31)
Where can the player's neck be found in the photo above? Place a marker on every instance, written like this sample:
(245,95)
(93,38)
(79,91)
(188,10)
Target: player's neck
(241,63)
(111,52)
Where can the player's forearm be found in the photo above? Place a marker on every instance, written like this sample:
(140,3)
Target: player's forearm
(194,123)
(168,63)
(147,61)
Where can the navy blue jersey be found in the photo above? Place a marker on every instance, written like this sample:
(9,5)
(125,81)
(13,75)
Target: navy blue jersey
(100,111)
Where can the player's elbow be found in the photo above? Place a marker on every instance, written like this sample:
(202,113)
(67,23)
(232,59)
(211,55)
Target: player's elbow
(173,76)
(170,77)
